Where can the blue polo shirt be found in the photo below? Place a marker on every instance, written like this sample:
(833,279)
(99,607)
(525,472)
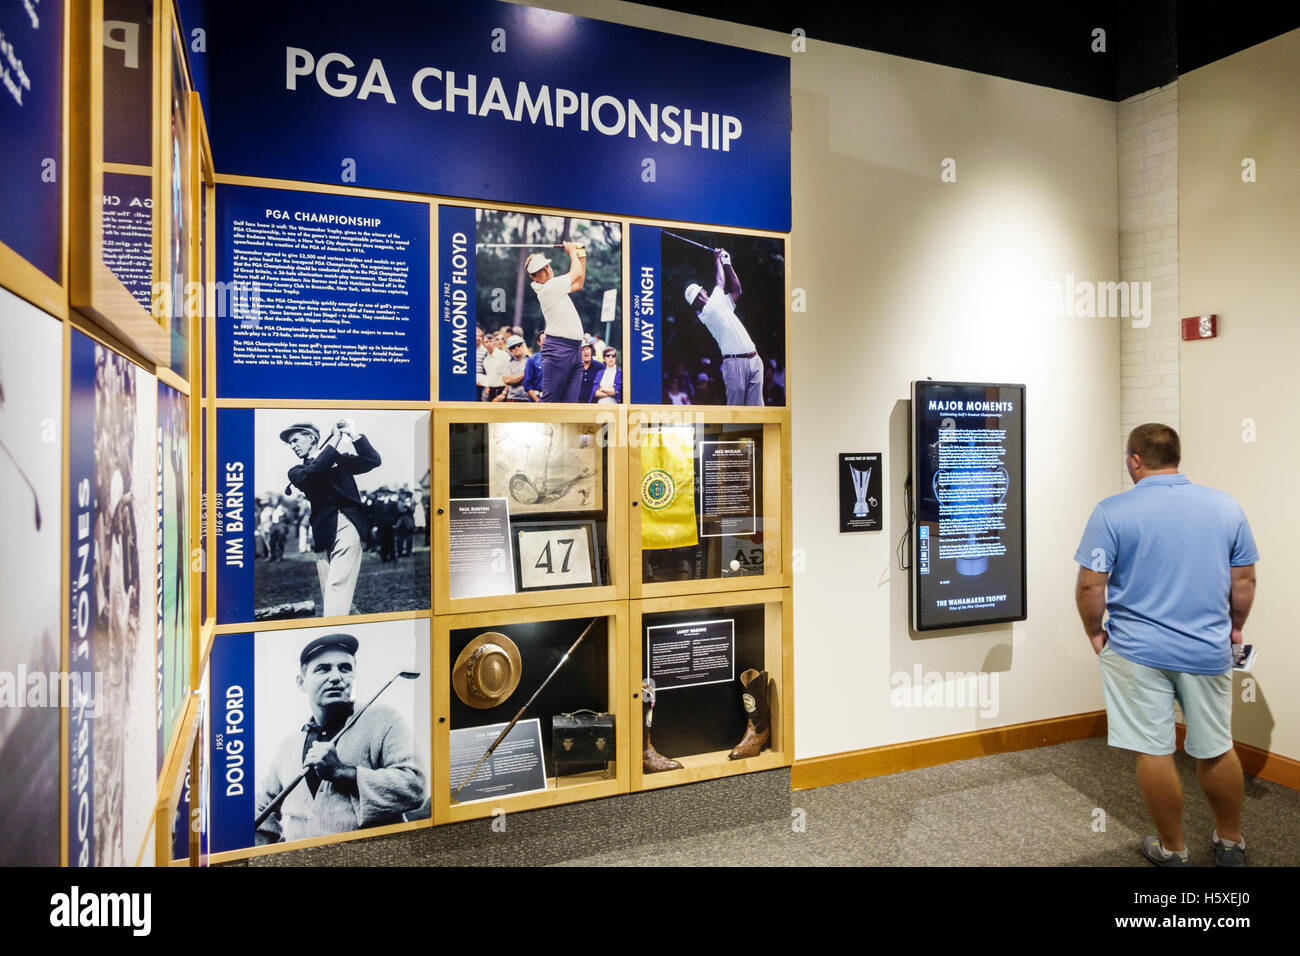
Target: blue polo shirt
(1168,545)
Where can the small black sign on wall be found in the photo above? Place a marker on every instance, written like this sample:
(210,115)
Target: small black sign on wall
(861,501)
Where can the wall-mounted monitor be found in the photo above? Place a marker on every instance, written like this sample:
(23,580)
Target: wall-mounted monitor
(968,504)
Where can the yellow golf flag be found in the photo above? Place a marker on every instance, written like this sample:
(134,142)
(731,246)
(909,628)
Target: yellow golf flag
(668,488)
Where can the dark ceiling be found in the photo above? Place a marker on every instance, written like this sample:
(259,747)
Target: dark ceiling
(1148,44)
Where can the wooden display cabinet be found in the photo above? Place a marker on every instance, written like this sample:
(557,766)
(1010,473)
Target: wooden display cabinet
(606,422)
(710,569)
(768,609)
(559,790)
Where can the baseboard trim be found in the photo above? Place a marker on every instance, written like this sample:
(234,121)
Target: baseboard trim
(932,751)
(1261,763)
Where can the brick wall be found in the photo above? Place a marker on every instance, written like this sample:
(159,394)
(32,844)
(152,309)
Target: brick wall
(1148,252)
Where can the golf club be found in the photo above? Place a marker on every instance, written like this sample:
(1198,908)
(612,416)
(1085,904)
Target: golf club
(510,726)
(689,241)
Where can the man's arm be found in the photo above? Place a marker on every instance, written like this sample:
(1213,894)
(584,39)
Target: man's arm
(366,458)
(394,782)
(577,266)
(1240,598)
(1090,599)
(727,277)
(513,379)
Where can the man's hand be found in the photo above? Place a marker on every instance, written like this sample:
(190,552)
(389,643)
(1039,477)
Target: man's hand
(1098,640)
(724,256)
(348,428)
(324,759)
(1237,637)
(570,248)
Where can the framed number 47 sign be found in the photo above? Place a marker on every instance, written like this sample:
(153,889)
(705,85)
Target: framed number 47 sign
(556,555)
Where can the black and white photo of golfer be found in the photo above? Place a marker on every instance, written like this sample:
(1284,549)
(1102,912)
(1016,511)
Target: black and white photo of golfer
(342,512)
(350,706)
(724,310)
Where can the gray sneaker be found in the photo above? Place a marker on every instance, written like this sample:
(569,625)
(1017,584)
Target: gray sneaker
(1154,851)
(1227,853)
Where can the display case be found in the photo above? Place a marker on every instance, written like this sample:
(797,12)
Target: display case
(530,507)
(721,667)
(560,674)
(709,492)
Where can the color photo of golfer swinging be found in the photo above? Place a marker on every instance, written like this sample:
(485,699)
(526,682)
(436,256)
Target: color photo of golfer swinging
(547,315)
(325,513)
(708,317)
(318,731)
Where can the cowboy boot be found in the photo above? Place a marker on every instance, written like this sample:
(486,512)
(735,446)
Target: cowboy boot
(757,729)
(652,761)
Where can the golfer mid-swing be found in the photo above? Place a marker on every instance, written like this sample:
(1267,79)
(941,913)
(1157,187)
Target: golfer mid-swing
(742,369)
(562,350)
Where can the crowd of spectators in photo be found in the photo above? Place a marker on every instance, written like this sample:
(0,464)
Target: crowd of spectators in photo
(510,370)
(397,517)
(702,384)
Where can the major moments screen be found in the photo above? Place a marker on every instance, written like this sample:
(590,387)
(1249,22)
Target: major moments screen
(968,496)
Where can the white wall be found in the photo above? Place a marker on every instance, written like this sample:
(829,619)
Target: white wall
(1240,248)
(908,277)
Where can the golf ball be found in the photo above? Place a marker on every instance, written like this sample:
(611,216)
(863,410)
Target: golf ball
(735,565)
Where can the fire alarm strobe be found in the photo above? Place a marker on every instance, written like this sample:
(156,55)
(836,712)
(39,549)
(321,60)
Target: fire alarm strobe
(1200,327)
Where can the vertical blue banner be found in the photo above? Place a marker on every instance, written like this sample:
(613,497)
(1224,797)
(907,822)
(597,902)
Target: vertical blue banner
(457,350)
(231,730)
(646,361)
(82,605)
(236,515)
(31,128)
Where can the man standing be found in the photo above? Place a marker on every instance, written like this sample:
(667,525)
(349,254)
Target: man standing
(495,363)
(515,370)
(561,369)
(742,369)
(338,525)
(607,387)
(533,371)
(369,779)
(1174,564)
(588,371)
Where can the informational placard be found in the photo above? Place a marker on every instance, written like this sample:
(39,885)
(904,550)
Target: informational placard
(968,486)
(31,115)
(128,233)
(691,654)
(728,501)
(278,698)
(501,102)
(321,512)
(480,560)
(487,296)
(516,766)
(861,501)
(708,317)
(558,555)
(321,296)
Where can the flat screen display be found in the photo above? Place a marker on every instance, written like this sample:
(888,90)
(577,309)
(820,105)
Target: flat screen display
(968,501)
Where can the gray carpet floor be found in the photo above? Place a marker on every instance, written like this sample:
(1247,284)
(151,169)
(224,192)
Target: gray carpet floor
(1032,808)
(1074,804)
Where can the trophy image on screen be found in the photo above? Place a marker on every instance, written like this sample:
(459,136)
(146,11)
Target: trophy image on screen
(545,467)
(861,481)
